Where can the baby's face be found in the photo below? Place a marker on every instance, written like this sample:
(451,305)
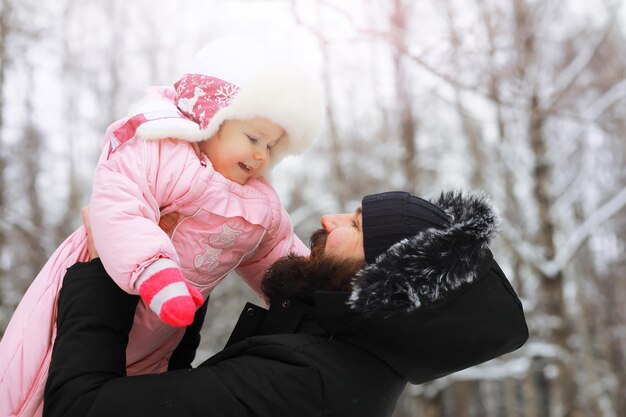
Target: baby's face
(241,149)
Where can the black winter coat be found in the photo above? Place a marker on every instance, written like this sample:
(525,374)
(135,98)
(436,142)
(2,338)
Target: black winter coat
(327,360)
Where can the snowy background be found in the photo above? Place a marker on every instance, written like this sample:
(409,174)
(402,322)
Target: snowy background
(523,99)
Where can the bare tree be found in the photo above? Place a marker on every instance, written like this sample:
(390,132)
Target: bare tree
(5,16)
(27,246)
(335,150)
(72,73)
(399,39)
(14,34)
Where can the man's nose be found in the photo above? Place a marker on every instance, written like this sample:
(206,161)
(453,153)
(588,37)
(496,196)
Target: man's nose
(330,222)
(327,223)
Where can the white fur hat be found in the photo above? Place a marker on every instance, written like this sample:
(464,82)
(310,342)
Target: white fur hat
(236,78)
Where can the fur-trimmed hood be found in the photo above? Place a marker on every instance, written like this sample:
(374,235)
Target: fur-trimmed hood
(434,303)
(424,268)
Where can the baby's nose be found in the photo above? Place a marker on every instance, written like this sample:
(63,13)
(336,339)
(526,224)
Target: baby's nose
(262,155)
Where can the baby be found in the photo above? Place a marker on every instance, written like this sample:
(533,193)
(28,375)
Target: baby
(198,149)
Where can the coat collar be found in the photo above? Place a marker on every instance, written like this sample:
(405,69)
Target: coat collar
(285,315)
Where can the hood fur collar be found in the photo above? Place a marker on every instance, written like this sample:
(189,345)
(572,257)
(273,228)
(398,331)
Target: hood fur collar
(424,268)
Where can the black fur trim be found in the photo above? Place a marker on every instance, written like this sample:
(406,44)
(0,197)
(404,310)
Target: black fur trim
(422,269)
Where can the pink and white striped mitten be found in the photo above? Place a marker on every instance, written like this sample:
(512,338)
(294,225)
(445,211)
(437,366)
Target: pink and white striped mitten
(163,288)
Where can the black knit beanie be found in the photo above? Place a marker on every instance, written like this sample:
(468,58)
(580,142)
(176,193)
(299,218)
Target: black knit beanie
(392,216)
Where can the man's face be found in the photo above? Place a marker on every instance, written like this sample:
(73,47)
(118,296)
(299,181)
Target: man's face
(336,255)
(344,235)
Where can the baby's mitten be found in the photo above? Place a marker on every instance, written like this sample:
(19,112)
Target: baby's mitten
(171,298)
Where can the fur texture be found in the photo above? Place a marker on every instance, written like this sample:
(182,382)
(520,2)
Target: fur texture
(422,269)
(299,276)
(282,94)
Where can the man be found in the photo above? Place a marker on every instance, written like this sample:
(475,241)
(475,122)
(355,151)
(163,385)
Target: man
(401,290)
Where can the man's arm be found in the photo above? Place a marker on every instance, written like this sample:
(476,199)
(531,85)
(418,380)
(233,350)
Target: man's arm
(185,352)
(249,385)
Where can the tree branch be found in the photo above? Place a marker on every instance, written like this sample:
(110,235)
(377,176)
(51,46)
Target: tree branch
(551,267)
(576,67)
(586,229)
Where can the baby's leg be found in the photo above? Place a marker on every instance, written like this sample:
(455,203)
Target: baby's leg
(94,318)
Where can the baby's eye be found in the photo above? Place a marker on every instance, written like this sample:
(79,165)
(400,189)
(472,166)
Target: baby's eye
(355,224)
(252,139)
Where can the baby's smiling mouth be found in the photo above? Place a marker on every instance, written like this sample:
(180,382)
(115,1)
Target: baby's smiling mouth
(245,167)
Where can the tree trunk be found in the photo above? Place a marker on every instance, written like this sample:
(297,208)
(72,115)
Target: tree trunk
(408,124)
(339,176)
(552,303)
(461,397)
(430,407)
(511,404)
(4,33)
(71,73)
(35,255)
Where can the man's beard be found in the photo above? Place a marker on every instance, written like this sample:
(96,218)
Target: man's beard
(318,243)
(299,277)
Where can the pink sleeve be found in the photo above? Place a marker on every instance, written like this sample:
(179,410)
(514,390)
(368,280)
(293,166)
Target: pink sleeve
(279,242)
(129,188)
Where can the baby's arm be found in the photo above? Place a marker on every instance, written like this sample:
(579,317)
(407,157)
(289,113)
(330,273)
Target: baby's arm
(166,223)
(281,241)
(129,189)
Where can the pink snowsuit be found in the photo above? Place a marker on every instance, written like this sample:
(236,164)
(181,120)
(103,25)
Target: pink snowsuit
(223,226)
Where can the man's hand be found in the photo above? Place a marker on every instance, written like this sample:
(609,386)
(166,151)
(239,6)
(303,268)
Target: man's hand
(168,222)
(90,245)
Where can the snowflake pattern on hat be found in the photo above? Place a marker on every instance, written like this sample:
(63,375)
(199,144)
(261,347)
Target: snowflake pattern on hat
(199,97)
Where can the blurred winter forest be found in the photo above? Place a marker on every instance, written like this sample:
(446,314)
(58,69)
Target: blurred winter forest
(523,99)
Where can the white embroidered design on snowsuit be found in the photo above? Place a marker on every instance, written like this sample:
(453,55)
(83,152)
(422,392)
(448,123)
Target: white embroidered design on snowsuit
(208,260)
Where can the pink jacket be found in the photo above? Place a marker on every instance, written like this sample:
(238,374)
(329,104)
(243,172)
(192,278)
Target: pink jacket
(223,226)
